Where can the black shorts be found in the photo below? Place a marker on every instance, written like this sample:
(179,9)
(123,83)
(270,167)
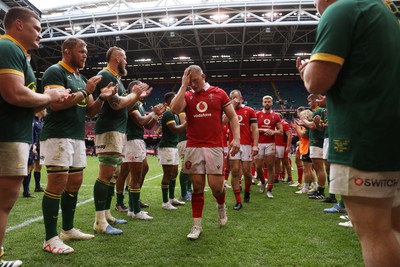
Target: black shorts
(306,157)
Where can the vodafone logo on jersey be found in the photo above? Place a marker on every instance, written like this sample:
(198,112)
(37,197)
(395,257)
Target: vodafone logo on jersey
(240,118)
(267,121)
(201,106)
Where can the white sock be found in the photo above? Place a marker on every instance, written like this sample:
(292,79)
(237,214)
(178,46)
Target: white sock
(197,221)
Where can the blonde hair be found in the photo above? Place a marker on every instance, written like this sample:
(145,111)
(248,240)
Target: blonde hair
(268,97)
(306,115)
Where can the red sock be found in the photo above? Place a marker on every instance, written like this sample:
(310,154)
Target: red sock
(237,195)
(226,174)
(265,172)
(270,186)
(197,205)
(282,175)
(253,171)
(300,174)
(220,199)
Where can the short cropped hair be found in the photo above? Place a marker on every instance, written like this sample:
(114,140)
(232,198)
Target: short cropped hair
(70,43)
(21,13)
(168,97)
(268,97)
(111,50)
(132,84)
(195,69)
(312,96)
(235,91)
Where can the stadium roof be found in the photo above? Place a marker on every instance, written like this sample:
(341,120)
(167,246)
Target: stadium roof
(230,40)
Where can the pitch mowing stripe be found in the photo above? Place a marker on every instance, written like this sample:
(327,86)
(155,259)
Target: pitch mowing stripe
(28,222)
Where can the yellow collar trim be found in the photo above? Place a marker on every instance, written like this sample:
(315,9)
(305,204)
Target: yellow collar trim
(67,67)
(6,36)
(110,70)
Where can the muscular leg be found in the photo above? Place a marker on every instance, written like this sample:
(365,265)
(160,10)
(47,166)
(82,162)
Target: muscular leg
(372,221)
(9,191)
(236,175)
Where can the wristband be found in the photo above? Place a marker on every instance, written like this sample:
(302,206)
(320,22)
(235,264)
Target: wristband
(85,93)
(101,99)
(153,116)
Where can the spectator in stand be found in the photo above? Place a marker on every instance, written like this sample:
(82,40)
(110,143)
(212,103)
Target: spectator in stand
(361,81)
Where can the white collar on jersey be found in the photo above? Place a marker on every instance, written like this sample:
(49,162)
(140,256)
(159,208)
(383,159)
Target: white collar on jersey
(206,86)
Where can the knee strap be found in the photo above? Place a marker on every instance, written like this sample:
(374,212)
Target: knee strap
(74,170)
(112,160)
(57,169)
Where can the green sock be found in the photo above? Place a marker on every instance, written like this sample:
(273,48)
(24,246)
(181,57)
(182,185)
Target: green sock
(183,182)
(100,191)
(172,184)
(110,195)
(341,203)
(134,194)
(164,190)
(130,200)
(50,205)
(68,205)
(120,199)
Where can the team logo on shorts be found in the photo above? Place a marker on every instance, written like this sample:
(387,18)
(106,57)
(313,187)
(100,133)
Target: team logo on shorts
(358,181)
(375,182)
(202,106)
(188,165)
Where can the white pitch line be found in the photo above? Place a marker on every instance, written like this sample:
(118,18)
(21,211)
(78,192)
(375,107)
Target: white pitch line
(28,222)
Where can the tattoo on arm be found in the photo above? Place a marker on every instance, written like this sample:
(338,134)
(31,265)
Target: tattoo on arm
(114,101)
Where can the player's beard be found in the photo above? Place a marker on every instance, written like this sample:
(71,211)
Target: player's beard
(121,70)
(76,63)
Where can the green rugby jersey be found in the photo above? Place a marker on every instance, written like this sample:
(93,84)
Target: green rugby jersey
(66,123)
(168,139)
(134,131)
(363,105)
(16,120)
(182,136)
(317,137)
(109,119)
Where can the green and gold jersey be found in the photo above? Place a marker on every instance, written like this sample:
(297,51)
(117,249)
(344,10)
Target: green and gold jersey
(109,119)
(363,105)
(182,136)
(168,138)
(16,120)
(65,123)
(134,131)
(316,136)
